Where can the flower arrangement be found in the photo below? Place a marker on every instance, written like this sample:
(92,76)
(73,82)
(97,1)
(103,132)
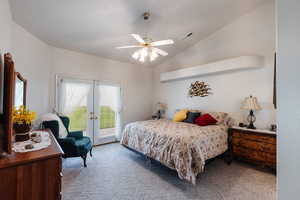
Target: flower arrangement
(22,119)
(23,116)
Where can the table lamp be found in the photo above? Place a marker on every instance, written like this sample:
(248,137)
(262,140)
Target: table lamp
(161,107)
(251,104)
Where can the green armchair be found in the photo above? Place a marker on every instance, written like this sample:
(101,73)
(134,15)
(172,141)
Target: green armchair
(75,144)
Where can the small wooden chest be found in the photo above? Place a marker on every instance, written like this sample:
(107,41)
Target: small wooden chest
(253,146)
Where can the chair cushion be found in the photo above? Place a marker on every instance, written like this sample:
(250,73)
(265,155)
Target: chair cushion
(83,145)
(76,134)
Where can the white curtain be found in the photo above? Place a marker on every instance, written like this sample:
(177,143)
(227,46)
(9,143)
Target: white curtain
(72,94)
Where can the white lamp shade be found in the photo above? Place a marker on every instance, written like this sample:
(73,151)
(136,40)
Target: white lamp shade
(250,103)
(161,106)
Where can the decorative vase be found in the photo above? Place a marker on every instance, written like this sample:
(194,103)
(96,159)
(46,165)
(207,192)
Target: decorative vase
(22,132)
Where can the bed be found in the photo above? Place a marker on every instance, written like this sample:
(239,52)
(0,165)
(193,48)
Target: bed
(181,146)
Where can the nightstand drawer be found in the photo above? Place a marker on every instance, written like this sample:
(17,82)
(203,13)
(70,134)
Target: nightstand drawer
(254,137)
(254,145)
(257,157)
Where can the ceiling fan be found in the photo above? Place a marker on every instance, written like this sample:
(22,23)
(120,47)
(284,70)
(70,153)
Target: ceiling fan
(147,46)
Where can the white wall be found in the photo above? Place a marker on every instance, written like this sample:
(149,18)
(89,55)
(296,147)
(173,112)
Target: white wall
(32,60)
(251,34)
(135,81)
(5,24)
(5,39)
(288,99)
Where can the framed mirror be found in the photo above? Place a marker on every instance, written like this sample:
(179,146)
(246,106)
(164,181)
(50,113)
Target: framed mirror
(20,90)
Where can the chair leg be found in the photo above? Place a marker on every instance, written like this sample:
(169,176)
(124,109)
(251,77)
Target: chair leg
(84,160)
(91,152)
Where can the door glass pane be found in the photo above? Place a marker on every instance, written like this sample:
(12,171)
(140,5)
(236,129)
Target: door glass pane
(108,106)
(74,97)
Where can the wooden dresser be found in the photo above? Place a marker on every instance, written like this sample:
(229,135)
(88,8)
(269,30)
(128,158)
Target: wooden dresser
(32,175)
(253,146)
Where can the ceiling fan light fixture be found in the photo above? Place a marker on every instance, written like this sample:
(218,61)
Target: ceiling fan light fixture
(136,55)
(142,58)
(153,56)
(148,49)
(144,52)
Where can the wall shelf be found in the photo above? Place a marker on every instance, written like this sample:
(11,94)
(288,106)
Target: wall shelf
(233,64)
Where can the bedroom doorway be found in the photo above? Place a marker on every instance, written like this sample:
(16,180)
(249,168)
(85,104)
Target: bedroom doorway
(92,107)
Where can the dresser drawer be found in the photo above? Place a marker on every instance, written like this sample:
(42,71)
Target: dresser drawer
(254,145)
(254,137)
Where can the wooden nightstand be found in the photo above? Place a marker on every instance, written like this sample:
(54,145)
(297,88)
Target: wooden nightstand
(253,146)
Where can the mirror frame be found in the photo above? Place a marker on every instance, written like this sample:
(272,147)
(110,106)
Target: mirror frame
(20,77)
(8,103)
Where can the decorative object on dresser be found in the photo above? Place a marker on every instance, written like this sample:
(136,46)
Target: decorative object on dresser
(38,140)
(251,104)
(22,119)
(253,146)
(199,89)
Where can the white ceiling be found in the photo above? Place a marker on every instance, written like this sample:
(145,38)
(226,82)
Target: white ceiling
(98,26)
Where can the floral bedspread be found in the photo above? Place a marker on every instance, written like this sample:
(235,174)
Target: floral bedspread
(181,146)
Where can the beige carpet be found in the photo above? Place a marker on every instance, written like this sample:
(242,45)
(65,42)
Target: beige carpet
(115,173)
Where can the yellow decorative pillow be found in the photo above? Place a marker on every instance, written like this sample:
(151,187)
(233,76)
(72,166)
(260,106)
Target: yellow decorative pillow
(180,116)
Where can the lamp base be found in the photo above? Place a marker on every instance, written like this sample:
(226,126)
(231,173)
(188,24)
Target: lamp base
(251,119)
(251,126)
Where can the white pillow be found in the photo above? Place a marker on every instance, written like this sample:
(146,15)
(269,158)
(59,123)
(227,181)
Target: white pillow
(50,117)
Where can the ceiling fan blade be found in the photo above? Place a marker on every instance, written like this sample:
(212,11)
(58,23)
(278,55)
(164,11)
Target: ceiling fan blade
(162,42)
(159,51)
(138,38)
(129,46)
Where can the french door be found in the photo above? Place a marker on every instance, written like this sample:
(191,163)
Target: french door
(93,107)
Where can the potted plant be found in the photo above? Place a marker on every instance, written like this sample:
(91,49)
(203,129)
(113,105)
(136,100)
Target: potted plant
(22,120)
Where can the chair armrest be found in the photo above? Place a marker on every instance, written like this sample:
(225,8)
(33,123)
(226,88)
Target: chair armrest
(68,146)
(76,134)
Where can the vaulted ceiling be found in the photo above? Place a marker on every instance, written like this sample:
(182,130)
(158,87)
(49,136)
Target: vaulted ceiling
(98,26)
